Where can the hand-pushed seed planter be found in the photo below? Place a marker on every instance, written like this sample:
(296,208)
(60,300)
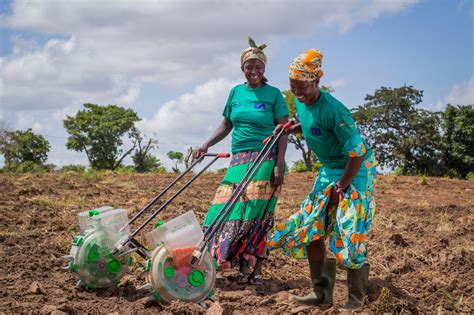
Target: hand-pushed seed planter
(179,266)
(100,254)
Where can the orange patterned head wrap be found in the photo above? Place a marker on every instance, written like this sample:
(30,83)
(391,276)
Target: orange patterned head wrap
(253,52)
(307,66)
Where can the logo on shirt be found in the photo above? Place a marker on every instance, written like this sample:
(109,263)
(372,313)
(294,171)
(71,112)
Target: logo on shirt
(236,105)
(260,106)
(315,131)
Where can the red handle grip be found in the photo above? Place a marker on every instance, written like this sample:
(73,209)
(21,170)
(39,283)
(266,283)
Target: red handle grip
(285,127)
(223,155)
(288,124)
(267,139)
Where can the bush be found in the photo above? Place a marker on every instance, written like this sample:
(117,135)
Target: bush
(159,170)
(73,168)
(300,166)
(50,167)
(129,169)
(30,167)
(470,176)
(423,180)
(92,175)
(221,170)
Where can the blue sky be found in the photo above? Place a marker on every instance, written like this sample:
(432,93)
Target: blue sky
(175,61)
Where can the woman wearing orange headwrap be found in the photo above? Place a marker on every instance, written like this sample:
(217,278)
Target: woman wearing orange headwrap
(341,205)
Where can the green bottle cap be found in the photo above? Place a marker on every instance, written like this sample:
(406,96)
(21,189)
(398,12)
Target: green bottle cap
(196,278)
(90,286)
(93,255)
(169,272)
(73,267)
(156,295)
(113,266)
(159,223)
(77,240)
(93,212)
(148,265)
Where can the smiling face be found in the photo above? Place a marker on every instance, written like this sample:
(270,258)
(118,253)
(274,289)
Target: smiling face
(253,70)
(306,92)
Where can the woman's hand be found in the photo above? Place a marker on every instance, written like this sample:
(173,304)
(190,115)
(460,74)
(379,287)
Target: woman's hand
(335,199)
(277,176)
(200,151)
(294,128)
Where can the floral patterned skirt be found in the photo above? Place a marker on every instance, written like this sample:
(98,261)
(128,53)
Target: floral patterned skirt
(244,232)
(345,227)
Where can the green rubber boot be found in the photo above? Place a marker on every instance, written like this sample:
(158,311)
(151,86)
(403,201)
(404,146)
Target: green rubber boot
(323,277)
(357,280)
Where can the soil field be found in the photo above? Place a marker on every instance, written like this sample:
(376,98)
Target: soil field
(421,246)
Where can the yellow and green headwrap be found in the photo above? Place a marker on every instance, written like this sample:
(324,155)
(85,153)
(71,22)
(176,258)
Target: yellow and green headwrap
(253,52)
(307,66)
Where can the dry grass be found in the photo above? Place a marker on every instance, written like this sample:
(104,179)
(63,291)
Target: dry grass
(58,202)
(387,303)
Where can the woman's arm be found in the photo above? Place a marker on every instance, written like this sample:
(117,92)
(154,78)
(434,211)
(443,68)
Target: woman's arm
(350,172)
(220,133)
(277,178)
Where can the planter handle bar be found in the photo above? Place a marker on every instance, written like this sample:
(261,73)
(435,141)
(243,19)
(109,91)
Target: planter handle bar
(228,206)
(131,237)
(154,200)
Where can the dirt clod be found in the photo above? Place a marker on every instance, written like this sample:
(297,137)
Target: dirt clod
(36,288)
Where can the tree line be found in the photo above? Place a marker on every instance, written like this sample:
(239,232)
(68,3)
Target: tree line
(98,132)
(406,139)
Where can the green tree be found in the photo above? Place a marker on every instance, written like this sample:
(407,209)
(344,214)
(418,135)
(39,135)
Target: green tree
(300,166)
(98,130)
(177,158)
(19,147)
(4,138)
(143,161)
(458,139)
(402,136)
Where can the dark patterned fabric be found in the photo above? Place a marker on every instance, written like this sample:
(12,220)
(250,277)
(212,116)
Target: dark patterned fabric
(249,156)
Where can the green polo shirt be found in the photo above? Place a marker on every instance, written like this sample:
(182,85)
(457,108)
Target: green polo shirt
(253,112)
(330,131)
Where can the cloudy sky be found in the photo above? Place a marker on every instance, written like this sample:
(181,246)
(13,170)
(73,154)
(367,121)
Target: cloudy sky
(175,61)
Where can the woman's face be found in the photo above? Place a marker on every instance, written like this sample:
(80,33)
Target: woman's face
(253,70)
(305,91)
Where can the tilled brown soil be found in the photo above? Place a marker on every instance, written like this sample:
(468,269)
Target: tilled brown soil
(421,246)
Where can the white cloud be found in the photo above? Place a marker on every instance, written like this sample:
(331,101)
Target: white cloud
(191,118)
(25,121)
(103,50)
(460,94)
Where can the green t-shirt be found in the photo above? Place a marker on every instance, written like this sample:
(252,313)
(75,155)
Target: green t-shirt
(330,131)
(253,113)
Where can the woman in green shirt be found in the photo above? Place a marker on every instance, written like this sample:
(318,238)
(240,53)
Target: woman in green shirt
(252,111)
(341,205)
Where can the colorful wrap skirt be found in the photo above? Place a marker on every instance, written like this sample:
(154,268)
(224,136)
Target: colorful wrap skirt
(243,234)
(345,227)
